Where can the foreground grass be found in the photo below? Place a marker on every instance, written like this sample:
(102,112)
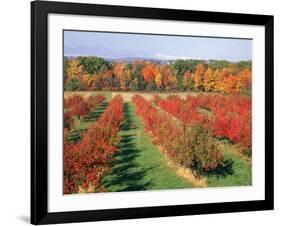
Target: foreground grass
(236,172)
(139,165)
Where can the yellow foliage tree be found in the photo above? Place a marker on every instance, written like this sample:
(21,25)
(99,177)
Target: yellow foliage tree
(199,77)
(187,80)
(218,75)
(86,81)
(158,79)
(74,69)
(209,80)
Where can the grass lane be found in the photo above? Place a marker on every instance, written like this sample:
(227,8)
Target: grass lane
(94,116)
(236,172)
(85,123)
(139,165)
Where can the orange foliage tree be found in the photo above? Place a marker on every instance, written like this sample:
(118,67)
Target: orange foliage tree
(232,85)
(246,79)
(149,72)
(120,74)
(169,80)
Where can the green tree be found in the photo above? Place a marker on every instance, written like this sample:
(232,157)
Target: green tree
(151,86)
(65,68)
(181,66)
(137,77)
(218,64)
(73,84)
(94,65)
(245,64)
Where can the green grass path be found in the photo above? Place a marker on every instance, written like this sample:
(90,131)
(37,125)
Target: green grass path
(94,116)
(85,123)
(236,172)
(139,165)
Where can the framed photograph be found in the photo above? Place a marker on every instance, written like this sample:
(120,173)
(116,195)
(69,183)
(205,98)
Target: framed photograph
(144,112)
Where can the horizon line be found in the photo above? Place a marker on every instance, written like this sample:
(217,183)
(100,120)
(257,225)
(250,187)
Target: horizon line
(152,58)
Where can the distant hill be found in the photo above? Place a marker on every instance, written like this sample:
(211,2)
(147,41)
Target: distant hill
(162,61)
(132,59)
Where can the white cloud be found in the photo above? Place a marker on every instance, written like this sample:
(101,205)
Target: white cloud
(171,57)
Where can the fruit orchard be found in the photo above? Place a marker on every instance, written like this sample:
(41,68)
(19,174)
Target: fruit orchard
(186,115)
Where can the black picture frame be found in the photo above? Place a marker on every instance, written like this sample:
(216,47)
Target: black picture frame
(39,112)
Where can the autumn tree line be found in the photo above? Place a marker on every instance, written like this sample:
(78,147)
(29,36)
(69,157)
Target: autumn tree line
(94,73)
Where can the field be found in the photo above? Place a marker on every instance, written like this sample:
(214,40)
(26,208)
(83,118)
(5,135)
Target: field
(136,160)
(127,96)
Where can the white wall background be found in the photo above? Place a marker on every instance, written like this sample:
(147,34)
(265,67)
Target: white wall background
(15,113)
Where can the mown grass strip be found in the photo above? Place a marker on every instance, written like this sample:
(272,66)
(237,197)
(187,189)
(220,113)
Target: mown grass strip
(139,165)
(236,172)
(84,124)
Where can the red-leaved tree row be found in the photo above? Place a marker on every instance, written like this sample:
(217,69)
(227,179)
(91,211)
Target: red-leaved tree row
(80,106)
(191,147)
(229,116)
(86,162)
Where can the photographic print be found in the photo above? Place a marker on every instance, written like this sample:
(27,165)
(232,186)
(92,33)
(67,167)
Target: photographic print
(150,112)
(143,112)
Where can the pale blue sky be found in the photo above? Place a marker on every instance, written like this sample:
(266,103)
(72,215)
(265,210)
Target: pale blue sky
(119,45)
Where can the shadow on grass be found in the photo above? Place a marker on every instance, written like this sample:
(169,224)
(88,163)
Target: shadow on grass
(127,123)
(97,113)
(126,174)
(224,170)
(75,134)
